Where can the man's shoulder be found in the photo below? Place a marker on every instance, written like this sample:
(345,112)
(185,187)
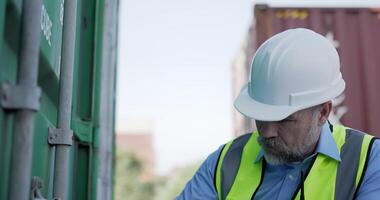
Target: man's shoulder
(375,150)
(370,187)
(353,129)
(374,144)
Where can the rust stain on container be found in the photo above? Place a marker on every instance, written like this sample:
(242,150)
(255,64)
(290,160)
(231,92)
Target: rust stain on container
(355,33)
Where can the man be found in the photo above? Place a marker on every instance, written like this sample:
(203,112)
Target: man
(295,152)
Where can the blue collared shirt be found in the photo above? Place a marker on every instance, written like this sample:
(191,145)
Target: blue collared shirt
(281,181)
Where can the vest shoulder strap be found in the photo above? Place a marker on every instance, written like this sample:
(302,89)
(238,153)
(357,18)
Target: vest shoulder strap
(348,167)
(231,162)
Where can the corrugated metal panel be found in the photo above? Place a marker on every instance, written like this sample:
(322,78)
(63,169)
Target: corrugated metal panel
(93,95)
(355,33)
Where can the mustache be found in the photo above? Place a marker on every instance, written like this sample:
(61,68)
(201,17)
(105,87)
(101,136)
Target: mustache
(270,142)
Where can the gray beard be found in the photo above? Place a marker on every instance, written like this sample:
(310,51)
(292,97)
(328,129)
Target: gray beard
(276,152)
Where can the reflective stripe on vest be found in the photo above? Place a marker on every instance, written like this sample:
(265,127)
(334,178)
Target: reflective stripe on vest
(239,177)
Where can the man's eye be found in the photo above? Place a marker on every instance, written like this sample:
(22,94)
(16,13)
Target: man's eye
(286,121)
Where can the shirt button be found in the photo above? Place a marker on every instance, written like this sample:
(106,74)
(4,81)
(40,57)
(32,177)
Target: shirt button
(291,177)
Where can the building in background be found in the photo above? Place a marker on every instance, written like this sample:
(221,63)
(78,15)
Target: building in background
(141,145)
(240,73)
(354,31)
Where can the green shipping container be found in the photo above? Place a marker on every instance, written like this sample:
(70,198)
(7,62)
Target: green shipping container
(88,171)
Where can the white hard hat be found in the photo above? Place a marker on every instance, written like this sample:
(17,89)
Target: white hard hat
(291,71)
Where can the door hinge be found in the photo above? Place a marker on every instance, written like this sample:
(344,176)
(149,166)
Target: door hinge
(60,136)
(16,97)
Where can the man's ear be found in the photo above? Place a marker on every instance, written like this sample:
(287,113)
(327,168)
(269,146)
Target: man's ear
(324,112)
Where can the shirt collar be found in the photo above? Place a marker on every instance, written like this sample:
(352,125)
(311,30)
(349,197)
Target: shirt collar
(326,145)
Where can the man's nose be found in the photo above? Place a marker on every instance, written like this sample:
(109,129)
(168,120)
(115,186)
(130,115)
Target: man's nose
(268,129)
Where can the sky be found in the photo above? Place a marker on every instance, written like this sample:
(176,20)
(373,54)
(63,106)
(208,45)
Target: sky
(174,75)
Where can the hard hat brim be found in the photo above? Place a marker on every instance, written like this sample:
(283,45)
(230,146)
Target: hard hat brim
(260,111)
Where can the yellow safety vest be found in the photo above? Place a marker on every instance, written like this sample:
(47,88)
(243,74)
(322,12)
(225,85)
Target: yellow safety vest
(238,177)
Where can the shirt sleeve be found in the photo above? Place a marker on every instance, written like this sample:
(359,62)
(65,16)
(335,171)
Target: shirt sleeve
(201,185)
(370,188)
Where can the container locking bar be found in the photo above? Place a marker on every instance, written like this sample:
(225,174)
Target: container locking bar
(18,97)
(60,137)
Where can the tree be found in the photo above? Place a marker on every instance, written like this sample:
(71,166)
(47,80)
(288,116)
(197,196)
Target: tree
(128,185)
(127,182)
(171,186)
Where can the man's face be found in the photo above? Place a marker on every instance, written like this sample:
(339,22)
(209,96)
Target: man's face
(291,139)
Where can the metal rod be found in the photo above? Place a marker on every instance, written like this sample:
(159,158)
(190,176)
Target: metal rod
(65,98)
(24,123)
(107,103)
(51,169)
